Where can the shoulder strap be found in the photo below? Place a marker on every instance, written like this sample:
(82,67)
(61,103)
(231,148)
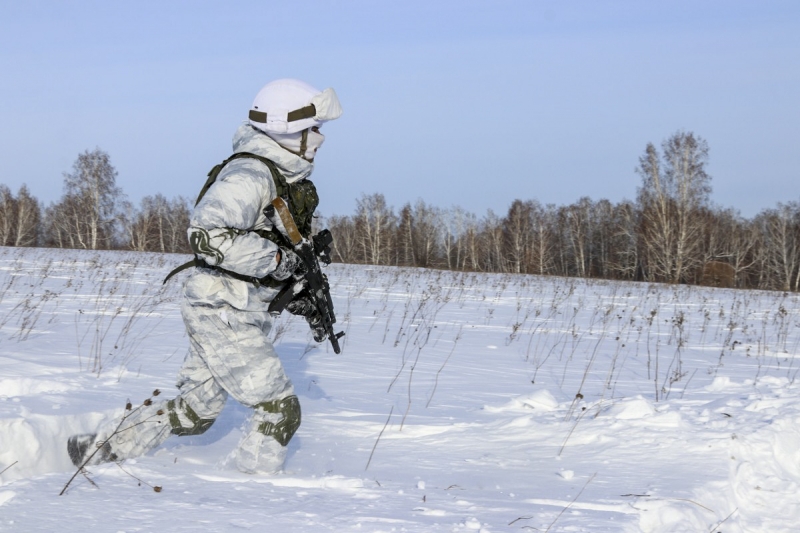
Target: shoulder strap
(277,177)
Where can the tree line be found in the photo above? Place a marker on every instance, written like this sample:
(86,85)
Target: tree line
(670,233)
(93,214)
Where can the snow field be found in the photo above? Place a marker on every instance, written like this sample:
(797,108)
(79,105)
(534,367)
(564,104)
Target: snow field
(460,402)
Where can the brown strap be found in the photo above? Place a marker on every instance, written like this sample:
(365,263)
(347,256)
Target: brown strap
(308,111)
(288,221)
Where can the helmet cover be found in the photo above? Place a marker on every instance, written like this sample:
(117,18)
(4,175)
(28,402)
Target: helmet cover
(288,106)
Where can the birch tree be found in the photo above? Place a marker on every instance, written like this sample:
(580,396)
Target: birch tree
(345,244)
(670,198)
(781,233)
(517,229)
(375,229)
(86,215)
(27,219)
(6,215)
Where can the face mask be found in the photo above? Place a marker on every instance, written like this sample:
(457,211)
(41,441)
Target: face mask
(303,143)
(313,142)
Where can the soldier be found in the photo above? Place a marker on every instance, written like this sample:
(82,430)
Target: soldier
(242,260)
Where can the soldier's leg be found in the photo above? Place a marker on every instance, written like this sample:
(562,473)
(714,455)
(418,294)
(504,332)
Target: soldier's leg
(144,427)
(191,413)
(263,446)
(245,364)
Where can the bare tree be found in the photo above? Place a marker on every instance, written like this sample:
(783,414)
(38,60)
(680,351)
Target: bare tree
(376,226)
(344,239)
(459,230)
(780,230)
(656,207)
(19,217)
(491,244)
(544,241)
(452,223)
(177,225)
(86,215)
(624,257)
(418,235)
(576,221)
(61,228)
(7,208)
(670,198)
(743,256)
(158,226)
(601,228)
(686,158)
(136,225)
(517,230)
(405,237)
(27,219)
(170,222)
(426,234)
(729,239)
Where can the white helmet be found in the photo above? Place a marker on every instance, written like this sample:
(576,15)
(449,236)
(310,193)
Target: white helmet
(288,106)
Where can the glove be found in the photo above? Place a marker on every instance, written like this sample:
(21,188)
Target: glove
(315,323)
(302,306)
(289,263)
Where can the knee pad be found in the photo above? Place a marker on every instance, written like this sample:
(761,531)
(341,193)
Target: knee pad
(283,430)
(195,426)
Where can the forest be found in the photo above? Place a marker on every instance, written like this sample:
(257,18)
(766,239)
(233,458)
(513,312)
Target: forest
(672,232)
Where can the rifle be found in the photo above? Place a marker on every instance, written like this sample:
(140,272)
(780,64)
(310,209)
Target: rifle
(317,282)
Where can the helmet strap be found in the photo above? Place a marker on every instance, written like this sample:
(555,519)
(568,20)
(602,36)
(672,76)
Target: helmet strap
(301,153)
(304,143)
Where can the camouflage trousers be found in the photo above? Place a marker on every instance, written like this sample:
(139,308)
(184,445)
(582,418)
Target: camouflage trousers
(229,354)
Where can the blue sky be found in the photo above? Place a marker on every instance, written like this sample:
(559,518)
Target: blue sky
(461,103)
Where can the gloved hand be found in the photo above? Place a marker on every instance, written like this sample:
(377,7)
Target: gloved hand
(289,263)
(302,306)
(315,322)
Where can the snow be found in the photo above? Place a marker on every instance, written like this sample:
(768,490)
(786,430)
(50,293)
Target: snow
(460,402)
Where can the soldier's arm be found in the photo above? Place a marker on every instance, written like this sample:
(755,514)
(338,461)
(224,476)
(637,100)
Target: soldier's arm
(220,228)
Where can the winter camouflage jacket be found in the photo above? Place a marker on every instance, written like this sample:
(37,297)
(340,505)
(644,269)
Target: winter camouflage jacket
(222,225)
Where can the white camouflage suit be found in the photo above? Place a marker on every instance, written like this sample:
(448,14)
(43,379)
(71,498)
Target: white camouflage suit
(227,320)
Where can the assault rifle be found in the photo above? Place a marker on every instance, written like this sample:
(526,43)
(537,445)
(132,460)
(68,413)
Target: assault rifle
(309,252)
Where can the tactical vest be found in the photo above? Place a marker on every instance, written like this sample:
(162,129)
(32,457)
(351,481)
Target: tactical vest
(301,198)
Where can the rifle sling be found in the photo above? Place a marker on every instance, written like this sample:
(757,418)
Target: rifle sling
(258,282)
